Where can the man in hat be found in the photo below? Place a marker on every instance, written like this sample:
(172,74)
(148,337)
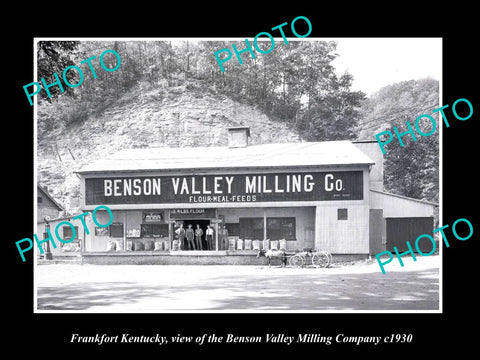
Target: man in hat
(190,235)
(198,237)
(181,237)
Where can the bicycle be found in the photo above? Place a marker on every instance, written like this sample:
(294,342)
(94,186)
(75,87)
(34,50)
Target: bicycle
(319,259)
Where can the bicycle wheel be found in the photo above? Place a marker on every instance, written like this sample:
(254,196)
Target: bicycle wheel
(296,260)
(320,259)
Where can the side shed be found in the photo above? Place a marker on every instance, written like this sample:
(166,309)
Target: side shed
(394,219)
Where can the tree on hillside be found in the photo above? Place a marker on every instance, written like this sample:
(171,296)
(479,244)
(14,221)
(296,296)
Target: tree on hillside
(295,83)
(334,115)
(54,57)
(411,170)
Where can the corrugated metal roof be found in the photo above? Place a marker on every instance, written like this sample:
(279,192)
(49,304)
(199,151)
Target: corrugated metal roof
(262,156)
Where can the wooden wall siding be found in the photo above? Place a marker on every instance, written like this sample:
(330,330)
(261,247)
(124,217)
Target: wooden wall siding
(130,220)
(304,221)
(373,151)
(46,202)
(46,207)
(50,211)
(80,236)
(99,243)
(232,215)
(342,236)
(394,206)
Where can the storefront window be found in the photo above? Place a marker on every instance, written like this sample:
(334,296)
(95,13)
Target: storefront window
(154,230)
(116,230)
(233,229)
(68,233)
(281,228)
(251,228)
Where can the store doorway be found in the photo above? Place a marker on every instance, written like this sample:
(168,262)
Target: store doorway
(203,225)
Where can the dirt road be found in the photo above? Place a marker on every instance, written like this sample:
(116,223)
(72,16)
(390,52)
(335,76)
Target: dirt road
(128,288)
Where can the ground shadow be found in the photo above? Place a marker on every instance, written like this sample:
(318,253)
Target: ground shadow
(415,290)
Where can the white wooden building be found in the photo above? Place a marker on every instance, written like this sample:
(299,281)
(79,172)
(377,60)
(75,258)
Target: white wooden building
(317,195)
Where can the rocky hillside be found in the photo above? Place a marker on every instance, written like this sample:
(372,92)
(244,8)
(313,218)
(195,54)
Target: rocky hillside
(173,117)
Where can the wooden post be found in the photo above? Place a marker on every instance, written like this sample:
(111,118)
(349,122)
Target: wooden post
(55,148)
(70,151)
(216,229)
(125,231)
(264,224)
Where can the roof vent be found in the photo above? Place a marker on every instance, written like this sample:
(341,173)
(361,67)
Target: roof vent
(238,136)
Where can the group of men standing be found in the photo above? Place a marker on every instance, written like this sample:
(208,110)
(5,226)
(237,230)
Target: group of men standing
(191,239)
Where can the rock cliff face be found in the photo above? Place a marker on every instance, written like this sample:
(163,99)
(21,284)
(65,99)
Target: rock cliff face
(175,118)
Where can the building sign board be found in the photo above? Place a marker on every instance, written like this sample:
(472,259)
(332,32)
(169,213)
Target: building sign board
(153,216)
(179,214)
(236,188)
